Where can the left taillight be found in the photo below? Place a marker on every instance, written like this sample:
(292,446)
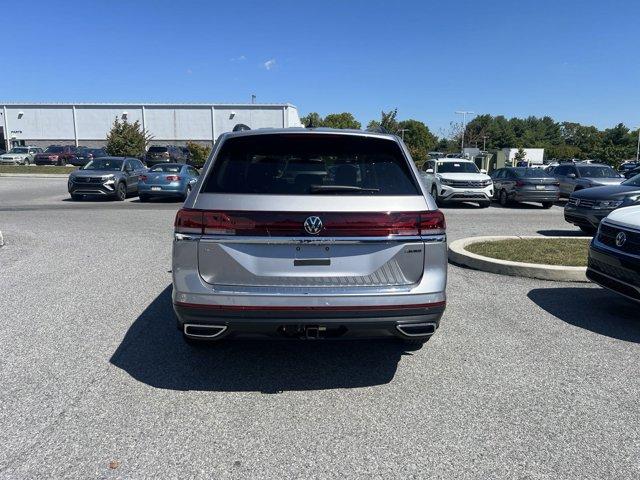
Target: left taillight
(189,221)
(142,178)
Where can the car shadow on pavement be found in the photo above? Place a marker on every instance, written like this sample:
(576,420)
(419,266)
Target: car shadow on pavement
(154,352)
(562,233)
(593,309)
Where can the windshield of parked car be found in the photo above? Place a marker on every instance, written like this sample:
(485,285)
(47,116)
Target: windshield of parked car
(531,173)
(157,149)
(167,167)
(111,164)
(311,164)
(598,172)
(457,167)
(54,150)
(19,150)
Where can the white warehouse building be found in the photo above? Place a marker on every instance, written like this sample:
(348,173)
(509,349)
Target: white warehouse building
(43,124)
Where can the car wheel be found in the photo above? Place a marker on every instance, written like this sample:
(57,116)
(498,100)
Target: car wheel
(121,192)
(504,200)
(26,161)
(75,197)
(588,229)
(547,205)
(434,193)
(60,163)
(484,204)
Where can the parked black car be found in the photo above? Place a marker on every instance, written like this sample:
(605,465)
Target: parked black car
(85,154)
(632,173)
(115,177)
(164,154)
(522,184)
(586,208)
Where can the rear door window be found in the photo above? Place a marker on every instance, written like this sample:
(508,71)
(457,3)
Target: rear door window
(316,164)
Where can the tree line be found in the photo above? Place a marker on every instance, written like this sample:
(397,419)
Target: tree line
(561,140)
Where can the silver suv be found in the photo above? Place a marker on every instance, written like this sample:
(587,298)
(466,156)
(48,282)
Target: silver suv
(309,233)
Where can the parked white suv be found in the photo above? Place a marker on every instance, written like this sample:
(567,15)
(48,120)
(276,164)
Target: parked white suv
(457,180)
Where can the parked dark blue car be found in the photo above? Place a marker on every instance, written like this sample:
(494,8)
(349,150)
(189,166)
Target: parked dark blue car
(167,180)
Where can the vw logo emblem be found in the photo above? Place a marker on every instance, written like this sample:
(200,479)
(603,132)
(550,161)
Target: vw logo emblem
(313,225)
(621,239)
(577,202)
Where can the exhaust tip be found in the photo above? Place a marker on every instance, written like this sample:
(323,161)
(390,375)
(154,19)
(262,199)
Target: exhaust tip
(417,329)
(193,330)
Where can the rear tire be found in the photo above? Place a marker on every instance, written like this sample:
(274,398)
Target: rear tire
(121,192)
(434,194)
(503,198)
(484,204)
(547,205)
(75,197)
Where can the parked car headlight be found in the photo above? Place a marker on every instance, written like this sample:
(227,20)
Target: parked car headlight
(108,179)
(445,181)
(607,204)
(486,183)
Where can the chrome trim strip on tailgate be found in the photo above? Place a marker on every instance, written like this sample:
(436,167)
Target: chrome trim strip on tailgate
(439,238)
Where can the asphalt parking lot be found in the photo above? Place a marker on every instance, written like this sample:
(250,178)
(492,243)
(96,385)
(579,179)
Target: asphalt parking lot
(524,379)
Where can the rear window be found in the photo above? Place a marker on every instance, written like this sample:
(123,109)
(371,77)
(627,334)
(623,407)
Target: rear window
(55,150)
(531,173)
(158,149)
(598,172)
(318,164)
(173,168)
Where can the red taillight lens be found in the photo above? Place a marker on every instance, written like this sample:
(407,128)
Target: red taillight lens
(142,178)
(173,178)
(189,221)
(432,222)
(274,224)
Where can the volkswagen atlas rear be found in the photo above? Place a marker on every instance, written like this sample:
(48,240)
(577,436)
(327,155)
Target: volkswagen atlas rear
(309,233)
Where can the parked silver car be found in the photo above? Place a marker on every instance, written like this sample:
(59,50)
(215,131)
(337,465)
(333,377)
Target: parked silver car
(352,247)
(576,176)
(19,156)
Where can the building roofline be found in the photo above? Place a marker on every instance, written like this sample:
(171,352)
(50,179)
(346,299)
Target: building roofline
(141,104)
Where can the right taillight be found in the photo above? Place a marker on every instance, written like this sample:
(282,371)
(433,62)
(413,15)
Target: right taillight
(432,222)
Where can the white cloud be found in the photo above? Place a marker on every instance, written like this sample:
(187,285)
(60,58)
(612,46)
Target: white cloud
(269,64)
(241,58)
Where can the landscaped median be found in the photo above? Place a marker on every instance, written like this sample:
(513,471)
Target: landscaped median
(34,170)
(548,258)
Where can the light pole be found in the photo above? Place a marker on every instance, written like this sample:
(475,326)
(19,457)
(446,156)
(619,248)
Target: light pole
(638,147)
(484,142)
(464,114)
(402,130)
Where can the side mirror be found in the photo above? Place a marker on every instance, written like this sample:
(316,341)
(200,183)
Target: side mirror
(571,175)
(483,171)
(429,170)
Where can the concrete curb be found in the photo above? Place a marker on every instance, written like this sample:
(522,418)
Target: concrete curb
(557,273)
(35,175)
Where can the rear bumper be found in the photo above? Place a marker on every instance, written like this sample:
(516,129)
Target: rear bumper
(166,190)
(536,196)
(360,322)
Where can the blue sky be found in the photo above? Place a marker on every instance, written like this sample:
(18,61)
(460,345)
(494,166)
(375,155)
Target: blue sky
(573,60)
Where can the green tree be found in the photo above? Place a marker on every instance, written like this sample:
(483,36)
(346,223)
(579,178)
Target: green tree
(341,120)
(313,119)
(127,139)
(387,121)
(520,156)
(199,153)
(418,138)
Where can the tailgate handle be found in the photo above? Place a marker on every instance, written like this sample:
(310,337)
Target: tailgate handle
(312,262)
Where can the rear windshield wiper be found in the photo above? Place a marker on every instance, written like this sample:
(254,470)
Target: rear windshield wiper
(340,188)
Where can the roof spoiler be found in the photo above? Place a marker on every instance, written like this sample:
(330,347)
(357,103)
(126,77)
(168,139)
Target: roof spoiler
(241,127)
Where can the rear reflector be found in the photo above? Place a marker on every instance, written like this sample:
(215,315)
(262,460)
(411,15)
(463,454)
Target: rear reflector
(278,224)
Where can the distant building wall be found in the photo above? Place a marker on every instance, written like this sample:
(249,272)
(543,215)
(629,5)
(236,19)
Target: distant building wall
(88,124)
